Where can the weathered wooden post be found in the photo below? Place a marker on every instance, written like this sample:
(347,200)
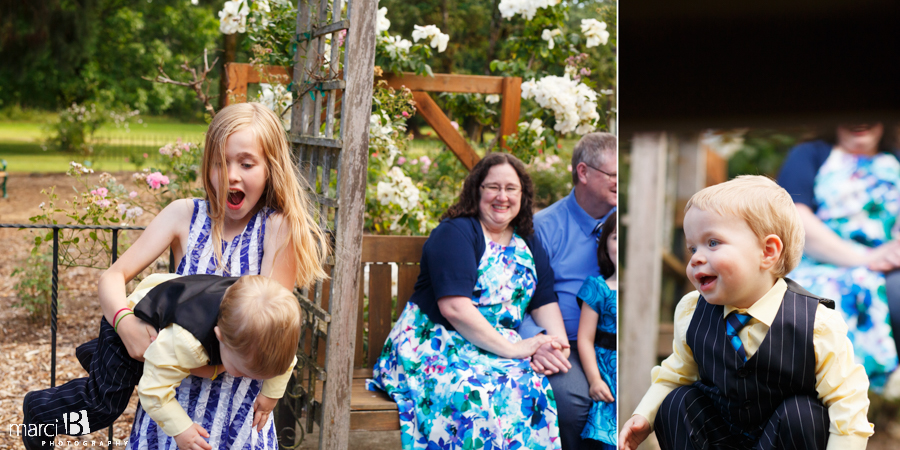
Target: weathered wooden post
(334,164)
(640,307)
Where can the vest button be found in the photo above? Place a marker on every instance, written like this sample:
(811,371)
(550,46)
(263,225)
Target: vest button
(747,405)
(743,372)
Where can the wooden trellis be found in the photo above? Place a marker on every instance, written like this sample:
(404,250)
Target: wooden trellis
(331,147)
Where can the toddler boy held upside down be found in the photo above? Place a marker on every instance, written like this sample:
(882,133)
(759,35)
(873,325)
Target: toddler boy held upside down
(757,362)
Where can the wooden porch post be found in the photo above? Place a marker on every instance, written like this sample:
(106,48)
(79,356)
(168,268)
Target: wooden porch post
(640,307)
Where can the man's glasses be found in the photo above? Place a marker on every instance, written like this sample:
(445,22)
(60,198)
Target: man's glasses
(612,176)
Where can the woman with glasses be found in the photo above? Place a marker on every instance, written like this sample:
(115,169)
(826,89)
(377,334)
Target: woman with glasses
(460,373)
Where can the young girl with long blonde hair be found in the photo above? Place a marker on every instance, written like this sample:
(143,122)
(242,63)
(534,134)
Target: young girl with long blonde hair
(255,220)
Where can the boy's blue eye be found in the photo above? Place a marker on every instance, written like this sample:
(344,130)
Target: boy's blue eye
(692,250)
(713,242)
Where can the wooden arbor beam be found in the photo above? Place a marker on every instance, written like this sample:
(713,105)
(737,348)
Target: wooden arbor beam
(509,88)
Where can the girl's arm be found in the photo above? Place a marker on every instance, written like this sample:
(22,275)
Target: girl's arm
(168,228)
(469,322)
(278,263)
(587,330)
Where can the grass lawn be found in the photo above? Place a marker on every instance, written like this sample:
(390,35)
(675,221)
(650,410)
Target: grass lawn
(20,144)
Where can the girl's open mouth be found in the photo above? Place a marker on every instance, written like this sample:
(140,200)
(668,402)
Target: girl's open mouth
(235,199)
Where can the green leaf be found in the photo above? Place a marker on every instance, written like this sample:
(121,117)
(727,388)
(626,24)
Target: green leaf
(93,235)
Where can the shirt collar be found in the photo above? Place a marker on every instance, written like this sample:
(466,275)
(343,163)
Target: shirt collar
(584,221)
(765,309)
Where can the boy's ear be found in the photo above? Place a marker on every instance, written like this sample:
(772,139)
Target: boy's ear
(218,333)
(772,250)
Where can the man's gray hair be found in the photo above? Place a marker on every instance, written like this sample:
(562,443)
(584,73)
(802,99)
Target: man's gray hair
(593,150)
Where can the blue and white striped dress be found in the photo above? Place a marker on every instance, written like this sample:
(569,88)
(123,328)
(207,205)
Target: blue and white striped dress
(224,406)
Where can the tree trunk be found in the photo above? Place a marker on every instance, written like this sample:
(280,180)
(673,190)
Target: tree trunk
(496,24)
(230,44)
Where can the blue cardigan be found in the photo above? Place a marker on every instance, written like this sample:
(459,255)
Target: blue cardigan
(449,267)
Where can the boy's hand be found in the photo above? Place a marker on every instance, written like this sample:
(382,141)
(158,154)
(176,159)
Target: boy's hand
(600,392)
(634,432)
(137,335)
(261,410)
(193,439)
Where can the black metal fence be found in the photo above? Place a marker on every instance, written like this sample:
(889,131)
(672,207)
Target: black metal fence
(54,292)
(141,150)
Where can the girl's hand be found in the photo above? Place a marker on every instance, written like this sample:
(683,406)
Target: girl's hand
(136,335)
(261,410)
(600,392)
(193,439)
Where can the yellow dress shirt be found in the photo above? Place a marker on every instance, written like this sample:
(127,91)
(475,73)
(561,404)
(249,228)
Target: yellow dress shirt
(169,360)
(841,384)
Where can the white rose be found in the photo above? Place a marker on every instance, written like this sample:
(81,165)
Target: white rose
(382,23)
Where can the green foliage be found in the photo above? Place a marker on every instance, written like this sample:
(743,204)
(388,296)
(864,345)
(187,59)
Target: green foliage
(33,286)
(552,179)
(57,52)
(762,153)
(74,129)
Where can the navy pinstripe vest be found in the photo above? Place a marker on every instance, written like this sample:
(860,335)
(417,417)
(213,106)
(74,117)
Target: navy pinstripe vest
(747,394)
(191,301)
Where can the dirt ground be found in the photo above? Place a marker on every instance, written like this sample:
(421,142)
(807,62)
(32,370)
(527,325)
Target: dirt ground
(25,344)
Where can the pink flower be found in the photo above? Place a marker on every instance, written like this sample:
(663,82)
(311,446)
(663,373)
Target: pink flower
(569,167)
(102,203)
(101,192)
(585,71)
(401,161)
(425,160)
(145,155)
(157,179)
(132,194)
(405,114)
(455,125)
(414,161)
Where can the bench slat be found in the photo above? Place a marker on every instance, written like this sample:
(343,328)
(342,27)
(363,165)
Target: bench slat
(406,279)
(397,249)
(379,308)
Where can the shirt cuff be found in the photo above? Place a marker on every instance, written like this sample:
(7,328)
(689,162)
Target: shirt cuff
(529,328)
(846,442)
(654,397)
(275,387)
(171,418)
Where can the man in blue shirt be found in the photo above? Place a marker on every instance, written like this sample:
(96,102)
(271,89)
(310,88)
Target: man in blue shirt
(568,231)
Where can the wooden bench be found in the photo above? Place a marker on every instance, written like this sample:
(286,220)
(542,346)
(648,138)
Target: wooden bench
(375,411)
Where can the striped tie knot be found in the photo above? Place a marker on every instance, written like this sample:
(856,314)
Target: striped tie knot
(596,231)
(733,324)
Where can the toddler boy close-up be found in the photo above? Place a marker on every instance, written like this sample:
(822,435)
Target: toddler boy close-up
(757,362)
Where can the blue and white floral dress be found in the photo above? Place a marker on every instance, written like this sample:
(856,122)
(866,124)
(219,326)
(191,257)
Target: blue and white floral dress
(222,406)
(452,394)
(858,197)
(601,423)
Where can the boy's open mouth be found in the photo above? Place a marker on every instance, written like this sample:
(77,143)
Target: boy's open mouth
(706,281)
(235,199)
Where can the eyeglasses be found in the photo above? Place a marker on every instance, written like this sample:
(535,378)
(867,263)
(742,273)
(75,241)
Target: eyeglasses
(495,189)
(612,176)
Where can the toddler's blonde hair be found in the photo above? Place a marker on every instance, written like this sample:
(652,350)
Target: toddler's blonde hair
(765,206)
(260,320)
(284,191)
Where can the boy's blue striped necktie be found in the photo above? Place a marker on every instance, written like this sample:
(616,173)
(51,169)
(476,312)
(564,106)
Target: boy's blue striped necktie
(733,324)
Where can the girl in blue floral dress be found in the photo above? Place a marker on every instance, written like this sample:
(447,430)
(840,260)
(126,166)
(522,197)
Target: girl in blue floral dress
(855,193)
(465,380)
(597,341)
